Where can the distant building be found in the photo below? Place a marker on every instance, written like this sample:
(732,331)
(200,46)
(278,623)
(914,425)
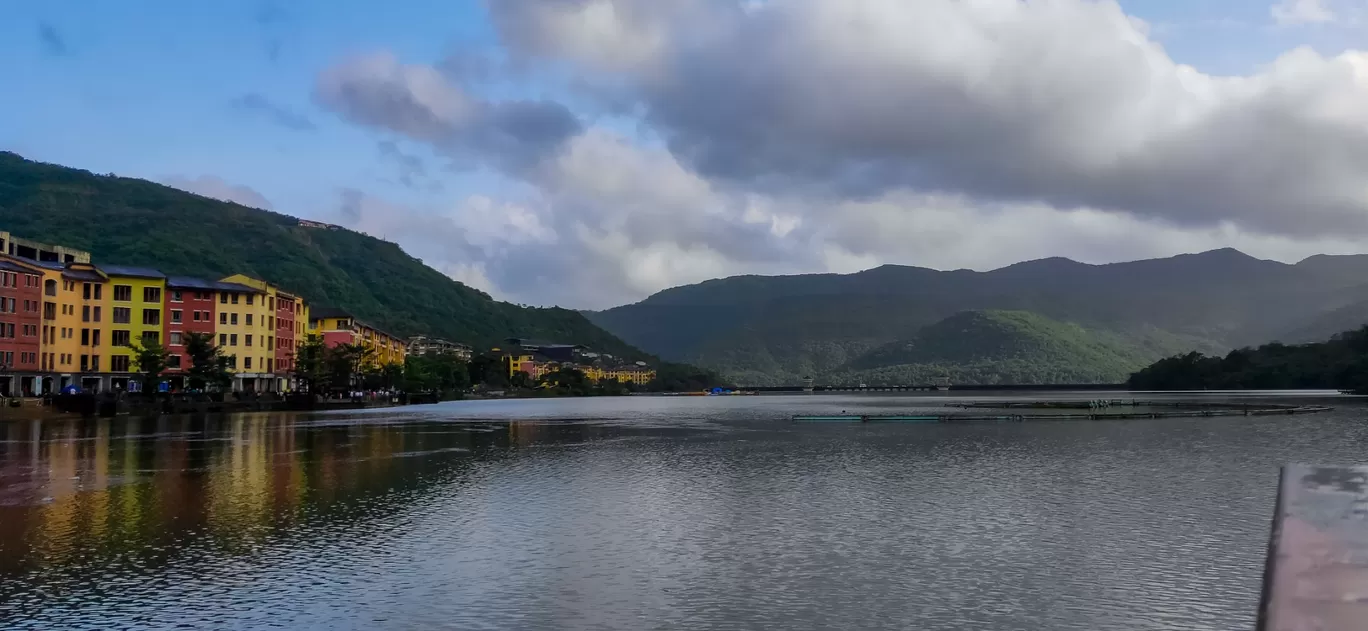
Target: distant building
(21,311)
(34,251)
(424,345)
(338,327)
(305,223)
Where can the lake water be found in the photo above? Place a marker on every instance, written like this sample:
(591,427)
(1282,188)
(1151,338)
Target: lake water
(645,513)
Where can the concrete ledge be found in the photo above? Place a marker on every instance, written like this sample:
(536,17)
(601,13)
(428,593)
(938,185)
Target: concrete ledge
(1316,576)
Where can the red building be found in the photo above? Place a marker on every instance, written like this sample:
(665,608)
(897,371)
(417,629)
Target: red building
(289,317)
(21,305)
(189,308)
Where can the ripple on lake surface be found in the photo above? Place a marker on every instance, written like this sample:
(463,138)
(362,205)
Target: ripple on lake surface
(644,513)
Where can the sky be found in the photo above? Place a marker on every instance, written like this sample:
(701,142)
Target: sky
(588,153)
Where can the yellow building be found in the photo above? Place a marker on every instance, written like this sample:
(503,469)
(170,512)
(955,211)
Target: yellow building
(60,344)
(135,298)
(639,375)
(244,332)
(281,319)
(338,327)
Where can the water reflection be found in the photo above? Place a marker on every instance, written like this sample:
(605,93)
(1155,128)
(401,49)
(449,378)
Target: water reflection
(622,520)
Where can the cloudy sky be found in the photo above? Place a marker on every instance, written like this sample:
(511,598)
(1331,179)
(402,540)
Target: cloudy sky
(587,153)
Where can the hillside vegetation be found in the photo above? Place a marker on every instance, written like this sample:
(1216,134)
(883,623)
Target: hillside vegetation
(1340,363)
(846,328)
(136,222)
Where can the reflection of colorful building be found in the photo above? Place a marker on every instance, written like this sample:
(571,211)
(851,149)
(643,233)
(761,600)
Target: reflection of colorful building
(338,327)
(21,320)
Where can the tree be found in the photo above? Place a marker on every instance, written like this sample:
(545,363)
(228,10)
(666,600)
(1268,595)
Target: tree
(311,365)
(345,363)
(149,359)
(208,366)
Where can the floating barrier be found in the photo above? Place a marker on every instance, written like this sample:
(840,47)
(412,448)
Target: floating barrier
(1265,410)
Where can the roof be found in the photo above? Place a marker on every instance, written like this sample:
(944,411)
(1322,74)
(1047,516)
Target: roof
(57,265)
(82,274)
(319,313)
(235,287)
(131,271)
(188,282)
(15,266)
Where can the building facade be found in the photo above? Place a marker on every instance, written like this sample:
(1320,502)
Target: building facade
(424,345)
(191,309)
(136,303)
(21,321)
(338,327)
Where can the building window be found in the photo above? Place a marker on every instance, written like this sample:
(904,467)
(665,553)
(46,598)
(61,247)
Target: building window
(96,316)
(151,317)
(270,303)
(247,340)
(85,313)
(223,339)
(150,337)
(85,337)
(223,298)
(123,315)
(85,291)
(250,297)
(235,298)
(120,338)
(270,322)
(85,363)
(123,293)
(270,343)
(50,288)
(232,339)
(175,338)
(223,317)
(246,363)
(118,363)
(232,362)
(176,316)
(232,319)
(95,337)
(98,290)
(173,361)
(270,365)
(194,315)
(95,363)
(152,294)
(177,296)
(249,319)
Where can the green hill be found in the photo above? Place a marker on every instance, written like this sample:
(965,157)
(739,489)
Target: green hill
(766,330)
(136,222)
(994,346)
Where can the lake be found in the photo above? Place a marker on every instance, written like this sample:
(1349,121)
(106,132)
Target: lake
(646,513)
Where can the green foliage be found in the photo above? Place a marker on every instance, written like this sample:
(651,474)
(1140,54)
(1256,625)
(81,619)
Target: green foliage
(436,373)
(775,330)
(135,222)
(1339,363)
(149,360)
(311,365)
(208,366)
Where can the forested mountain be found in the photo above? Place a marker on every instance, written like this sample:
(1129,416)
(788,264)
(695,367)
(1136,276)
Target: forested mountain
(1340,363)
(777,329)
(136,222)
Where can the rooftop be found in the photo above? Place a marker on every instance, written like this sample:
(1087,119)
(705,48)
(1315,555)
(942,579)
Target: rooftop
(131,271)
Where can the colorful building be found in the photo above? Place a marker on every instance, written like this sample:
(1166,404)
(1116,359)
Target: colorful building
(270,349)
(242,331)
(637,374)
(21,320)
(136,301)
(338,327)
(424,345)
(61,324)
(191,308)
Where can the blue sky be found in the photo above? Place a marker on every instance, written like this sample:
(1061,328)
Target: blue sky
(171,89)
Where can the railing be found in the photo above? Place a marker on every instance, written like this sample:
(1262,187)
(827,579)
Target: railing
(1316,575)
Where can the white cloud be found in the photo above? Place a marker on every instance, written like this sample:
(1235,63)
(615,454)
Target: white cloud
(826,135)
(1293,12)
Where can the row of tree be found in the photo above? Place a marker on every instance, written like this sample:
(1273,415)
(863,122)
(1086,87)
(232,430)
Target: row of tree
(1340,363)
(321,369)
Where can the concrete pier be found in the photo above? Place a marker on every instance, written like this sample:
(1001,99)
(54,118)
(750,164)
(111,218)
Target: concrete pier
(1317,571)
